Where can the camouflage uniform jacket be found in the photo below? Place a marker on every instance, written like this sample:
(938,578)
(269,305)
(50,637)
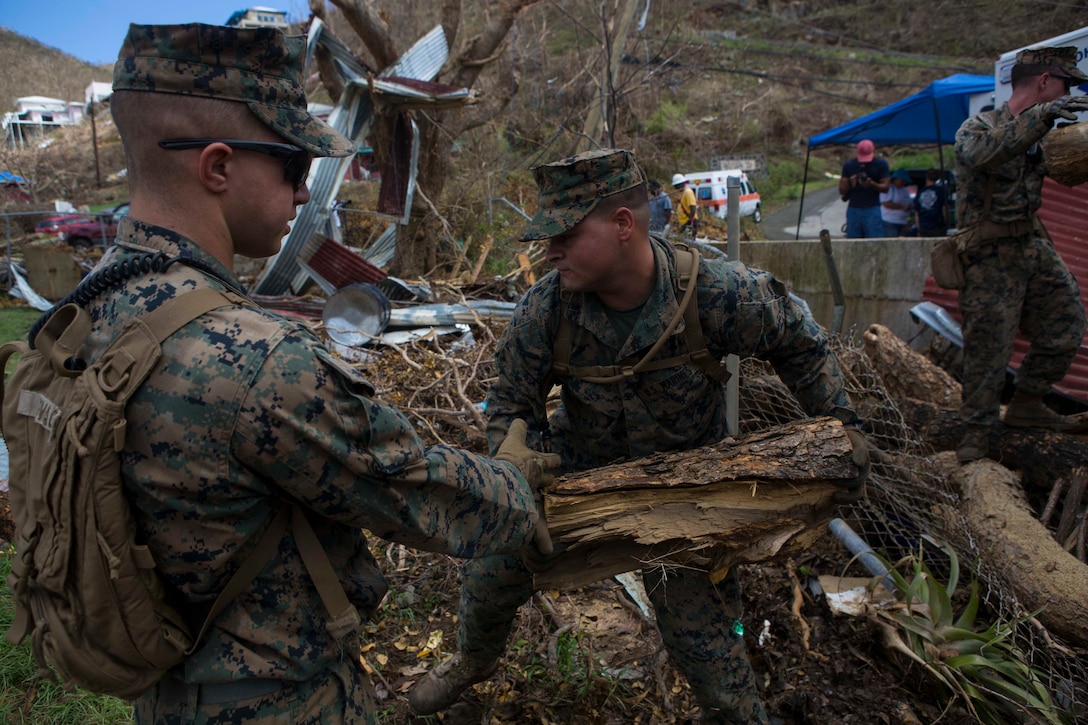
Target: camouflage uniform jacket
(246,408)
(743,311)
(1000,144)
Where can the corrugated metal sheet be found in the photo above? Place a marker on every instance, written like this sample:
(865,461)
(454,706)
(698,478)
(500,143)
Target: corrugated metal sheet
(1065,213)
(351,117)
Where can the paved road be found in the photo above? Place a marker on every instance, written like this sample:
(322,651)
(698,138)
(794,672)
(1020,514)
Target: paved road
(823,209)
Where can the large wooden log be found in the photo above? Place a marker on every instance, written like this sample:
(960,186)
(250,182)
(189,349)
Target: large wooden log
(1039,455)
(1066,151)
(907,373)
(1043,575)
(763,497)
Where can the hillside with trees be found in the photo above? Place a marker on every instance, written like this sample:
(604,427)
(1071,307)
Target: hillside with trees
(695,81)
(34,69)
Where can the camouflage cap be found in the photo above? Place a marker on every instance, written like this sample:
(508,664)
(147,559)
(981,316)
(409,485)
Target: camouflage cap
(572,187)
(1063,58)
(260,67)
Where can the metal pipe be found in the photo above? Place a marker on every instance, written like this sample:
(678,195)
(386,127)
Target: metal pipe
(732,362)
(509,203)
(836,284)
(862,551)
(804,185)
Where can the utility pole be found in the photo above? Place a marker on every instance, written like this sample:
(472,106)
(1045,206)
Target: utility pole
(94,142)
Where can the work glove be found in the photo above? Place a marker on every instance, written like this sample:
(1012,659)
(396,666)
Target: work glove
(533,465)
(535,560)
(1065,107)
(853,489)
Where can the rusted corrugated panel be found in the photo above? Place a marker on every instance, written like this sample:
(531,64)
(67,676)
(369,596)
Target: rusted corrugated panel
(1065,213)
(335,266)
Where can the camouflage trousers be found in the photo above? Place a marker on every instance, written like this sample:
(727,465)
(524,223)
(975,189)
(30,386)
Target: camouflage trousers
(339,695)
(695,617)
(1016,284)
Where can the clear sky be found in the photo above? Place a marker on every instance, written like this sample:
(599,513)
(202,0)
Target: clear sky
(92,30)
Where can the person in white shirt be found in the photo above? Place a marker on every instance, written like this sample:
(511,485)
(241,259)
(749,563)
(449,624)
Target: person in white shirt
(895,204)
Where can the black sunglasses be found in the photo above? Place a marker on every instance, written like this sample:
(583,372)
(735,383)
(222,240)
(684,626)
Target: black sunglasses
(1067,80)
(296,164)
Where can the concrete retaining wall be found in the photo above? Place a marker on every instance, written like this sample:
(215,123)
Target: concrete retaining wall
(881,278)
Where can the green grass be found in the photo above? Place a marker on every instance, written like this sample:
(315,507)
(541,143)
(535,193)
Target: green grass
(15,323)
(27,698)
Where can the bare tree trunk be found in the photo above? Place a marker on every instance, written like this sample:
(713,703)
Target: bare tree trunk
(418,241)
(325,66)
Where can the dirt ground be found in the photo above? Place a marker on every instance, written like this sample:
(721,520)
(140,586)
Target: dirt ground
(590,655)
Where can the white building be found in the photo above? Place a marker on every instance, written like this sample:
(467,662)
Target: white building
(259,17)
(34,116)
(97,92)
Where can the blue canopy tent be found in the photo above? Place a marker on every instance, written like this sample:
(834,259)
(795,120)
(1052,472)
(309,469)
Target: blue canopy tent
(931,116)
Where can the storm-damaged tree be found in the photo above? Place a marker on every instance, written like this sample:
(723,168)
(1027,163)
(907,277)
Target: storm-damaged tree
(592,88)
(417,242)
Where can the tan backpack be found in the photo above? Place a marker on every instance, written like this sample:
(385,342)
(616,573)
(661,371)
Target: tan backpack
(86,592)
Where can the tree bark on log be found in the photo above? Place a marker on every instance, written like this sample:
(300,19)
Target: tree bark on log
(766,496)
(1039,455)
(1066,160)
(1043,575)
(907,373)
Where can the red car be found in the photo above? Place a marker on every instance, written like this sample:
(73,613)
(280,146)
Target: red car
(58,225)
(94,231)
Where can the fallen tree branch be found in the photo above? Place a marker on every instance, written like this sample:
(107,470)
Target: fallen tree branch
(1041,573)
(764,497)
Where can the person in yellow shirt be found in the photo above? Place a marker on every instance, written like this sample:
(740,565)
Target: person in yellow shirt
(687,214)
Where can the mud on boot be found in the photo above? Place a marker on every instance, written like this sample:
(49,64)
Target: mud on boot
(1029,411)
(442,686)
(974,446)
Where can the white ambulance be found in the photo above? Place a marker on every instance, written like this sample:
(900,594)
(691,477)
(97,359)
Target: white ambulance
(711,192)
(1004,63)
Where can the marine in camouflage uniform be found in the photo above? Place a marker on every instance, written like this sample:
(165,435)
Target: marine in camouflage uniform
(247,409)
(1014,277)
(741,310)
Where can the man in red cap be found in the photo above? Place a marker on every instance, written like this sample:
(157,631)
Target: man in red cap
(862,182)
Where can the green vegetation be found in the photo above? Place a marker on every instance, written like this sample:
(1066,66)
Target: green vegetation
(40,70)
(15,323)
(670,114)
(980,664)
(783,183)
(28,698)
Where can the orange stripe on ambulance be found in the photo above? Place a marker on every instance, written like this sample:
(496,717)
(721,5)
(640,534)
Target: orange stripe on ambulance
(711,192)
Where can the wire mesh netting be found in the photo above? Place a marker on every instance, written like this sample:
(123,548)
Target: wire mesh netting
(908,499)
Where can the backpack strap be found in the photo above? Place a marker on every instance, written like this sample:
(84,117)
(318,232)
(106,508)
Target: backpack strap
(687,267)
(15,347)
(164,321)
(174,314)
(343,616)
(247,572)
